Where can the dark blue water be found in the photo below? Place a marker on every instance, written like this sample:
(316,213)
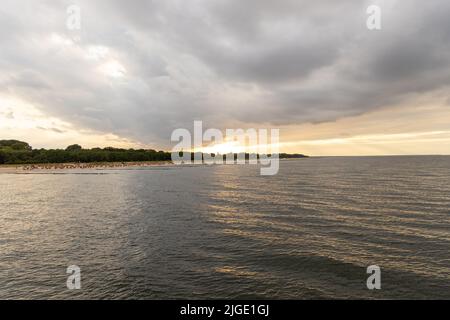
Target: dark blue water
(227,232)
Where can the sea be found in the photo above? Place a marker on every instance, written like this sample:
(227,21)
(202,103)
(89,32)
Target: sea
(312,231)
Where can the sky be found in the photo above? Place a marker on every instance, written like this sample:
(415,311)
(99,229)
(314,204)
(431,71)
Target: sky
(135,71)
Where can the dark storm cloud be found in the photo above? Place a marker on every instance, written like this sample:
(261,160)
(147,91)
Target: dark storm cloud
(225,62)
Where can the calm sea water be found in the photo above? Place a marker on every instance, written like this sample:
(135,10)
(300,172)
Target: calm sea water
(227,232)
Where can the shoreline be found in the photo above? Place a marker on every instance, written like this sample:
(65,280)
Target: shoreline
(8,168)
(20,168)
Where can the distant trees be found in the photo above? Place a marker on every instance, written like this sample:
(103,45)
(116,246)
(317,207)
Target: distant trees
(74,147)
(14,144)
(12,151)
(18,152)
(291,155)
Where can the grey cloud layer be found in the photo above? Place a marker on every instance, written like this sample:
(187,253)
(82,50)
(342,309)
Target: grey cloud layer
(226,62)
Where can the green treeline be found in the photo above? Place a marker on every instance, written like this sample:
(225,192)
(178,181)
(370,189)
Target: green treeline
(19,152)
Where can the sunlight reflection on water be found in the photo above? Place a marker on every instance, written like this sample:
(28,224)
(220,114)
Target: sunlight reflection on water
(227,232)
